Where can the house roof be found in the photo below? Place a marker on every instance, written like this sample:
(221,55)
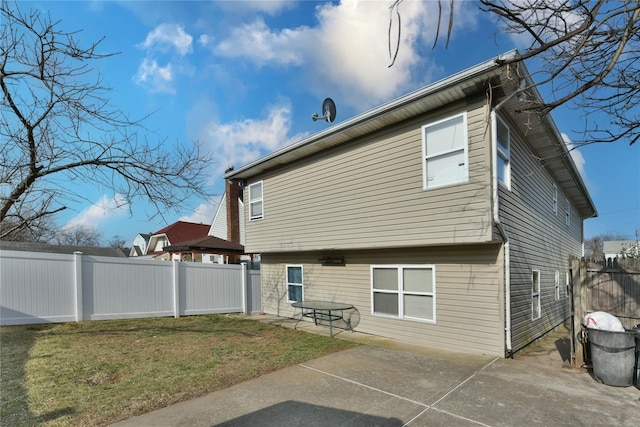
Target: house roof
(503,81)
(207,244)
(61,249)
(181,231)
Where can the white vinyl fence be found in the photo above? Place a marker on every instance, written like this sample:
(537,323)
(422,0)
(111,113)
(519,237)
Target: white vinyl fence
(44,287)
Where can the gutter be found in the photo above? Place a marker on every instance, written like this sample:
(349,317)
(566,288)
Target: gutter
(495,208)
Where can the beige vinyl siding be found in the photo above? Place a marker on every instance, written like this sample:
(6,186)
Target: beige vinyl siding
(368,193)
(469,293)
(539,239)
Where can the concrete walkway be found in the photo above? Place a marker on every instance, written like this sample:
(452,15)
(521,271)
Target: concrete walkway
(388,383)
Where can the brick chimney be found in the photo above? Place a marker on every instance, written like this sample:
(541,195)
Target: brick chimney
(234,193)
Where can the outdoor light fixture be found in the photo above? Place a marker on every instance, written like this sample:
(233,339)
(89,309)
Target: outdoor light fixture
(332,260)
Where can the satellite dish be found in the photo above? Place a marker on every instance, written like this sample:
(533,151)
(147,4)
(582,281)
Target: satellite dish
(328,111)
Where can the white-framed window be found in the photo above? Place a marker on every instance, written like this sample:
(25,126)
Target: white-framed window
(567,212)
(445,152)
(404,291)
(256,210)
(535,294)
(557,285)
(555,199)
(295,285)
(567,283)
(503,145)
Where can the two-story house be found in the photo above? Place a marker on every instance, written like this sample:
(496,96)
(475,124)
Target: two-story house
(446,216)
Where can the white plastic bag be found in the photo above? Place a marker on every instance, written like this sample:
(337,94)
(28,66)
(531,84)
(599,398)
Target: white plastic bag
(603,321)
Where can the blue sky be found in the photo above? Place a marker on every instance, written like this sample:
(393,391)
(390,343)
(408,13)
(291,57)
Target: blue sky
(244,78)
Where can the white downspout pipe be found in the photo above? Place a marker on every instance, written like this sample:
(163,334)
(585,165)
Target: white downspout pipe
(498,224)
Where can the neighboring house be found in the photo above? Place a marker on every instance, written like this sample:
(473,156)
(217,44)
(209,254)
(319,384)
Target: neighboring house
(180,231)
(61,249)
(223,242)
(229,223)
(620,248)
(447,216)
(226,223)
(139,245)
(208,249)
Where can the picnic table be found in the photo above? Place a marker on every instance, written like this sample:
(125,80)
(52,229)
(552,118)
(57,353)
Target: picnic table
(321,311)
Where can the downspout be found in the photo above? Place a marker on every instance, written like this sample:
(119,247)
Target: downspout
(496,220)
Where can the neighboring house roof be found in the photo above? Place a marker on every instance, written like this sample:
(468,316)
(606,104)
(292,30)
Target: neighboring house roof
(206,244)
(615,247)
(181,231)
(543,135)
(143,241)
(61,249)
(136,251)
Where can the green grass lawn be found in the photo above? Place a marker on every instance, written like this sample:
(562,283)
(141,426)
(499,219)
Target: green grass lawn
(100,372)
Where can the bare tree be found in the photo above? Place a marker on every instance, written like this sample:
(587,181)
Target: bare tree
(57,126)
(587,53)
(39,230)
(81,235)
(594,247)
(117,242)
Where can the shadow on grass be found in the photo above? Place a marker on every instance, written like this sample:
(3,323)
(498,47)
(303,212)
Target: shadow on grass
(219,325)
(16,344)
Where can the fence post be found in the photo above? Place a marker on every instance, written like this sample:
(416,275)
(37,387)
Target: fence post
(578,296)
(77,265)
(245,283)
(176,288)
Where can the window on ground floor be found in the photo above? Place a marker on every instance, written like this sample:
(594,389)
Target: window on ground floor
(535,294)
(295,286)
(404,291)
(557,285)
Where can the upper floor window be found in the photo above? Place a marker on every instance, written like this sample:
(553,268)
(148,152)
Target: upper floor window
(555,199)
(255,201)
(444,148)
(503,145)
(567,212)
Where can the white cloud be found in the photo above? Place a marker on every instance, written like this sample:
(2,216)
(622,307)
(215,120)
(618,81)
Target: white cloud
(203,213)
(204,39)
(346,53)
(541,19)
(106,208)
(576,155)
(243,141)
(166,36)
(154,77)
(263,46)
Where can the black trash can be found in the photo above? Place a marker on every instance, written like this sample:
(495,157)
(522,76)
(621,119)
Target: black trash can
(613,356)
(636,329)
